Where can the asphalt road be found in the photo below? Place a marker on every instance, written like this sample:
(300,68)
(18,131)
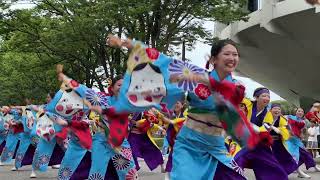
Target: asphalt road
(144,174)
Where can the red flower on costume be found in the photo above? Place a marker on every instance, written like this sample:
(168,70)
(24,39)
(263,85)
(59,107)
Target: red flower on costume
(202,91)
(152,53)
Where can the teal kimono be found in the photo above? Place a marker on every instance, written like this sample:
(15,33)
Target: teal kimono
(12,138)
(103,153)
(28,139)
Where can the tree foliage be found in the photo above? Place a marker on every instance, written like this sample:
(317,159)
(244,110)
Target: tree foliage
(73,32)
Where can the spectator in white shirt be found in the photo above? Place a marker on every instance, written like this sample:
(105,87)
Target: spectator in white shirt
(312,140)
(318,138)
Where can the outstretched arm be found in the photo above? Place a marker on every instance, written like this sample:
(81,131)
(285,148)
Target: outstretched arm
(114,41)
(61,76)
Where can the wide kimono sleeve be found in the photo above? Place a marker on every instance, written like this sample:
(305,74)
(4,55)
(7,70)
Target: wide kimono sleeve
(73,96)
(249,106)
(146,82)
(267,121)
(154,129)
(283,127)
(28,119)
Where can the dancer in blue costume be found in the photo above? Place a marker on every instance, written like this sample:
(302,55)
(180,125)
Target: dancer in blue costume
(68,103)
(13,122)
(50,149)
(261,159)
(103,153)
(147,84)
(295,145)
(28,138)
(3,132)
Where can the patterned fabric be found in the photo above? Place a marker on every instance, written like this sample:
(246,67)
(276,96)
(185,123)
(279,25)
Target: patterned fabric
(102,153)
(209,150)
(6,154)
(146,75)
(10,147)
(132,174)
(296,125)
(120,162)
(25,142)
(178,68)
(96,176)
(73,156)
(97,99)
(46,153)
(64,173)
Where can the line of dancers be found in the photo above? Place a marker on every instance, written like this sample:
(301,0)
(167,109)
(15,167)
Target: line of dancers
(213,131)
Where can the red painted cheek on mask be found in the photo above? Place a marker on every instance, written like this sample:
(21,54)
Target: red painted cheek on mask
(59,108)
(133,98)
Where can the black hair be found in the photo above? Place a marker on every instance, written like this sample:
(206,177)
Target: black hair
(314,103)
(51,94)
(184,105)
(297,108)
(143,65)
(218,45)
(41,114)
(115,79)
(70,90)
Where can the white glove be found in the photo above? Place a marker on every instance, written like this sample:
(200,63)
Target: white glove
(275,129)
(266,126)
(256,128)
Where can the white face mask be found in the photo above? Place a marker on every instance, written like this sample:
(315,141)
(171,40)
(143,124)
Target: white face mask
(146,88)
(30,119)
(8,118)
(69,104)
(45,128)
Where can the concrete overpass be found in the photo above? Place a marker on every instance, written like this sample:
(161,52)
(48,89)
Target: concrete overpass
(280,48)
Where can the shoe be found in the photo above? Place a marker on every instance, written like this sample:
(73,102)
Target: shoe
(302,174)
(14,169)
(1,163)
(163,170)
(317,168)
(33,175)
(55,166)
(167,176)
